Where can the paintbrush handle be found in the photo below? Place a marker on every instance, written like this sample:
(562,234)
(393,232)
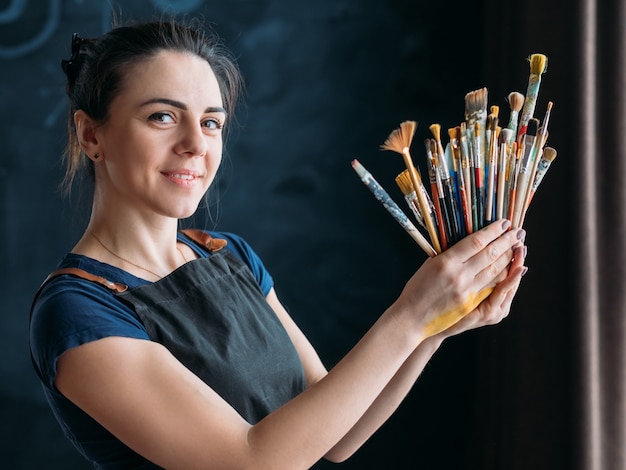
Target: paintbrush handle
(468,199)
(520,199)
(513,123)
(389,204)
(480,212)
(439,216)
(455,179)
(453,213)
(542,169)
(423,203)
(501,187)
(411,200)
(528,110)
(467,218)
(489,210)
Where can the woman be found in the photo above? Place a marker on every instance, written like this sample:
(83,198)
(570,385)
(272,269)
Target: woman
(165,349)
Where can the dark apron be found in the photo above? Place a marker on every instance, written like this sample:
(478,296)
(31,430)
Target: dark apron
(212,316)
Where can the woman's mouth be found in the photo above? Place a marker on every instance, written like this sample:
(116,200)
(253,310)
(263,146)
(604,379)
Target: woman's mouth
(185,179)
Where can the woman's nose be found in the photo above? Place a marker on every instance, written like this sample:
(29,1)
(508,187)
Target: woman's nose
(192,141)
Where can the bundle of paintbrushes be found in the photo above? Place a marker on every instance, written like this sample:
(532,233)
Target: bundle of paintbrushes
(485,172)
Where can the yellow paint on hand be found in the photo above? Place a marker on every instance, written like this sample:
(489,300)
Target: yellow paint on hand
(447,319)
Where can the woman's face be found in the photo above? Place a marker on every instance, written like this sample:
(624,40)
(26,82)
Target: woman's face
(161,145)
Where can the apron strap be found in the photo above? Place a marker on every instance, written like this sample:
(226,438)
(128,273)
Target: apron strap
(114,286)
(197,235)
(204,239)
(77,272)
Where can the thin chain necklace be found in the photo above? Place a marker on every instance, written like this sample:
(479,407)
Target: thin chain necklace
(130,262)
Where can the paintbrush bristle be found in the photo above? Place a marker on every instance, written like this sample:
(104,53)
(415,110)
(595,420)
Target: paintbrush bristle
(538,64)
(435,129)
(401,138)
(476,101)
(453,133)
(516,101)
(506,135)
(533,126)
(403,180)
(549,154)
(495,110)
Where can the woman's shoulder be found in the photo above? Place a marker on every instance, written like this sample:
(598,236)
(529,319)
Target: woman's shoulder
(73,294)
(69,311)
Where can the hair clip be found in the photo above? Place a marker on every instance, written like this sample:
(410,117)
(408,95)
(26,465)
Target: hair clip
(72,66)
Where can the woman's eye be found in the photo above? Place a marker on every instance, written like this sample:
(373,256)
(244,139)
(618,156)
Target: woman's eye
(161,118)
(213,124)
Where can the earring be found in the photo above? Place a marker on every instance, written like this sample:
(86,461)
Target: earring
(95,156)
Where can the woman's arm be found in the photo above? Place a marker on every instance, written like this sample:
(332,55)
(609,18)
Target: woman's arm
(150,401)
(492,311)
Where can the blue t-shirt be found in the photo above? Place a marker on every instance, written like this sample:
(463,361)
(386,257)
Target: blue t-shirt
(71,311)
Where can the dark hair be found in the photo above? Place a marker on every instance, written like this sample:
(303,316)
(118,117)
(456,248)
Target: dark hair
(96,70)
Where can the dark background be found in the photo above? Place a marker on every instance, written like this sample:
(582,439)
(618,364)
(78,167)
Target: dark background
(327,81)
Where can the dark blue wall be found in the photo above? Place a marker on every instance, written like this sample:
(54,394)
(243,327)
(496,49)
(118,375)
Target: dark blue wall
(326,82)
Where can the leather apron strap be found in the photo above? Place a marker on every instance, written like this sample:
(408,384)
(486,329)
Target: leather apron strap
(200,237)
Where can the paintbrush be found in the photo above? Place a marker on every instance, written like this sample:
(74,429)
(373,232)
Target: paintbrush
(476,114)
(488,139)
(467,176)
(518,152)
(548,156)
(458,182)
(529,153)
(538,64)
(403,180)
(437,193)
(492,124)
(544,125)
(493,111)
(478,179)
(446,222)
(516,101)
(399,141)
(501,190)
(384,198)
(446,183)
(542,137)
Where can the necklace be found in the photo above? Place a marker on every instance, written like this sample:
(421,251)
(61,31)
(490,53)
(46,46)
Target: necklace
(130,262)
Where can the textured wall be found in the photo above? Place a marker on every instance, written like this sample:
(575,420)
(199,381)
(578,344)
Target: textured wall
(326,82)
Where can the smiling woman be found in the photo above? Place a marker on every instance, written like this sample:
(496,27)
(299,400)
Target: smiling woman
(160,145)
(159,348)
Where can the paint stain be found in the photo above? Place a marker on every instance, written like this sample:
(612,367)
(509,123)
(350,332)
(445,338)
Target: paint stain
(447,319)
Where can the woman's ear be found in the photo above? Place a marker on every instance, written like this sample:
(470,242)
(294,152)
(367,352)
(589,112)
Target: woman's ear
(86,134)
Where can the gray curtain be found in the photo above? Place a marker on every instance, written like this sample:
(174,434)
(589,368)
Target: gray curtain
(558,396)
(600,163)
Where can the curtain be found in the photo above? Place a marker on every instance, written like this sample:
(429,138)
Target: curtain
(552,388)
(600,240)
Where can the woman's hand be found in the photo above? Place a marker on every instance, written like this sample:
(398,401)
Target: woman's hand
(497,305)
(451,285)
